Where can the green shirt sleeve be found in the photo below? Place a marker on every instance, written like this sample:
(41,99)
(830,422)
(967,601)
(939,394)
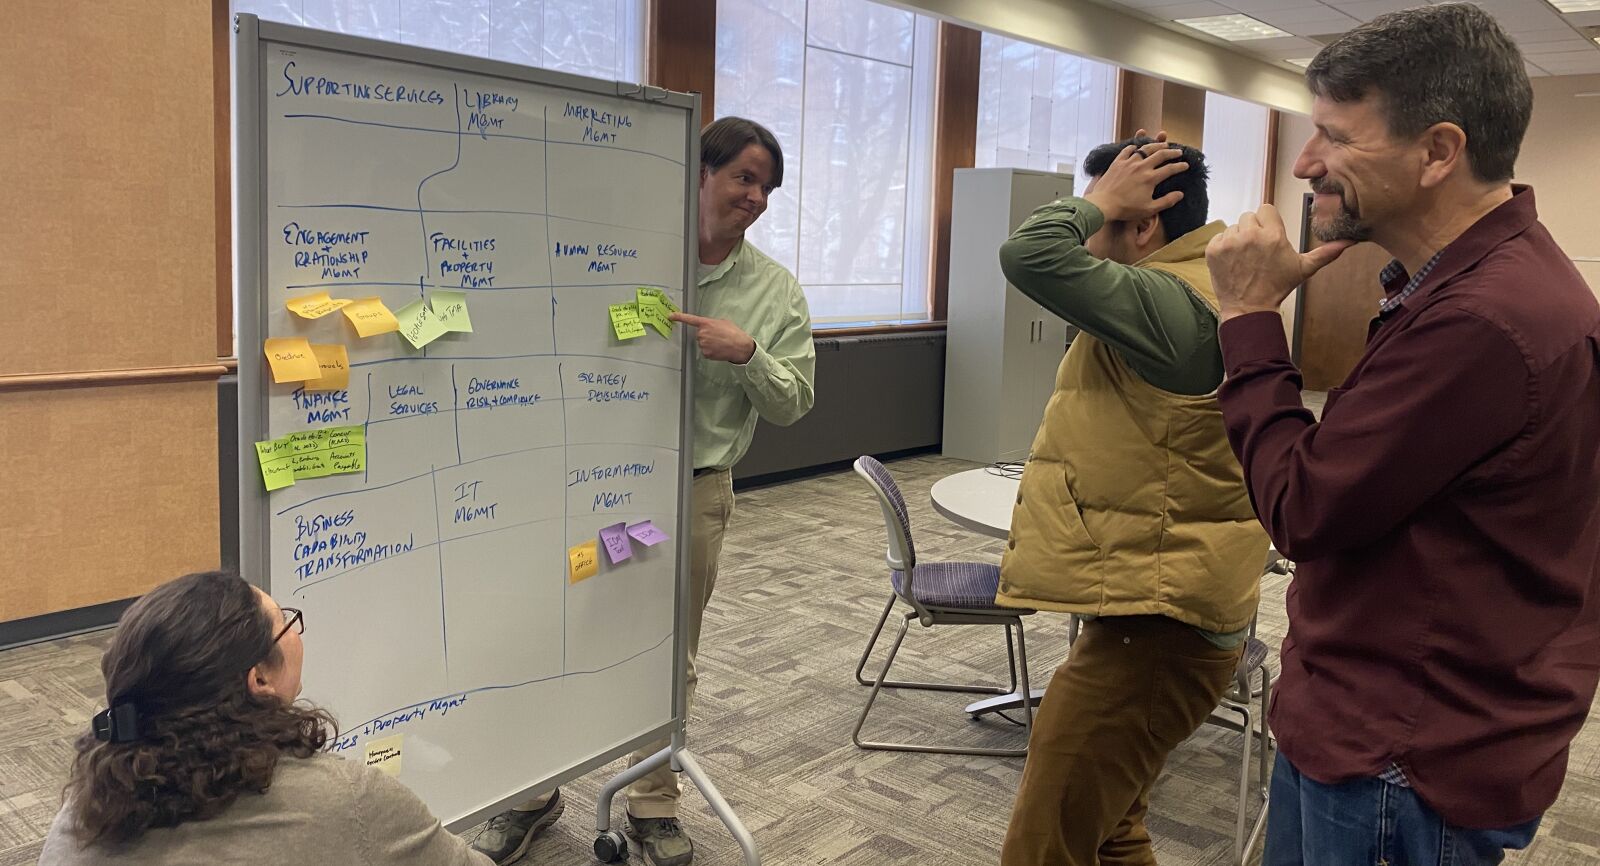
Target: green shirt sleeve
(1165,333)
(778,376)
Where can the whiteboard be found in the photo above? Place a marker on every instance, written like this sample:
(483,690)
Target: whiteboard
(435,583)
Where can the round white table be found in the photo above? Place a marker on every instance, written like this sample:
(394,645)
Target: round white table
(977,499)
(981,500)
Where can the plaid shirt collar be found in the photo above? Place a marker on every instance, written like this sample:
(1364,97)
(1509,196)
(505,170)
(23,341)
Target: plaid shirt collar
(1393,273)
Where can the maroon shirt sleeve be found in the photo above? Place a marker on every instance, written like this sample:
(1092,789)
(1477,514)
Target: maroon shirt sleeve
(1431,403)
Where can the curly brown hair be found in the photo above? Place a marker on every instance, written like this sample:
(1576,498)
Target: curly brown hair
(181,657)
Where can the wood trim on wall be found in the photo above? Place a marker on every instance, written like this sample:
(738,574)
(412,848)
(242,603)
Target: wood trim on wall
(98,378)
(1183,113)
(1151,104)
(1269,184)
(955,143)
(681,44)
(1138,103)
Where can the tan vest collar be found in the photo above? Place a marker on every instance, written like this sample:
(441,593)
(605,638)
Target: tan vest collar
(1187,248)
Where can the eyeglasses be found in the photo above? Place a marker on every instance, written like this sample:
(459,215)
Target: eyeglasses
(294,619)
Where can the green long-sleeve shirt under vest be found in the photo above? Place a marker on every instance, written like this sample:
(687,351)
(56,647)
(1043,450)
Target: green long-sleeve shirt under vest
(1165,332)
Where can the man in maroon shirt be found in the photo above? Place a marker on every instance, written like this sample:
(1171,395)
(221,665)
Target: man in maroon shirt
(1444,624)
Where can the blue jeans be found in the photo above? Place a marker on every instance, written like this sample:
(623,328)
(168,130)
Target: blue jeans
(1369,821)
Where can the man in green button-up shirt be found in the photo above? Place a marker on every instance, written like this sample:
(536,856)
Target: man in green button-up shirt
(756,360)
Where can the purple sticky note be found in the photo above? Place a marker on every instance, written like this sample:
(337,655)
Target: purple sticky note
(647,534)
(616,543)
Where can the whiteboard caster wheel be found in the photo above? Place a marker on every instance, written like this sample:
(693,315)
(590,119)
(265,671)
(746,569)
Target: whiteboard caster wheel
(610,847)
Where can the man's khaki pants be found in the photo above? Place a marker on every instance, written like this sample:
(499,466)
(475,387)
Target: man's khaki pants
(656,795)
(1130,691)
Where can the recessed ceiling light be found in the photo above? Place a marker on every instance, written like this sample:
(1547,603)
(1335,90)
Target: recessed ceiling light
(1238,28)
(1302,62)
(1576,5)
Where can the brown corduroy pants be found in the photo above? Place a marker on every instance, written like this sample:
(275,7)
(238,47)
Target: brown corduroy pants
(1131,690)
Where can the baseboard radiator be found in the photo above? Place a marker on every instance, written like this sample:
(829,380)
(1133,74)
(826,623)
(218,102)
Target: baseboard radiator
(881,394)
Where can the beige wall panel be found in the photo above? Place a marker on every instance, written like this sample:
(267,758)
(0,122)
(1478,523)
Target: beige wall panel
(108,191)
(111,491)
(1557,159)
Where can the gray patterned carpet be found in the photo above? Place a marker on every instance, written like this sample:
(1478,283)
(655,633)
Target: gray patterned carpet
(802,582)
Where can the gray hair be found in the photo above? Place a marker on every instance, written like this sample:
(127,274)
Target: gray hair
(1436,64)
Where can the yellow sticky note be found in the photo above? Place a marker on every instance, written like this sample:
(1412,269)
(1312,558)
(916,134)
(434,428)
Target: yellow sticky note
(274,455)
(370,317)
(418,324)
(385,754)
(292,359)
(451,308)
(583,561)
(334,362)
(625,321)
(315,306)
(654,307)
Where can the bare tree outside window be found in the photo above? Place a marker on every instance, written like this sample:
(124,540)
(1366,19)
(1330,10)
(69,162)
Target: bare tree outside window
(847,86)
(1041,109)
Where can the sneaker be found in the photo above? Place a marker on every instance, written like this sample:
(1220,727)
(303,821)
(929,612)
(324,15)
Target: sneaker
(663,840)
(507,836)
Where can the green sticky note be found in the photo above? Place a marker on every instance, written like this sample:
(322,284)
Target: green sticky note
(625,321)
(451,308)
(311,464)
(339,437)
(348,458)
(304,441)
(324,451)
(654,307)
(418,324)
(275,455)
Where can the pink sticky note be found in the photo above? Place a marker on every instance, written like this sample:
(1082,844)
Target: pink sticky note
(647,534)
(616,541)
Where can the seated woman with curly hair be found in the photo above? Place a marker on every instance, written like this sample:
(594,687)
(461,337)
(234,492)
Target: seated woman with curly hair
(203,756)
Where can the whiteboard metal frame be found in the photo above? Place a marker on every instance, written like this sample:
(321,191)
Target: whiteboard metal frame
(249,151)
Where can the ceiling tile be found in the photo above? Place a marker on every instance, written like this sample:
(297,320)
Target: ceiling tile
(1534,71)
(1574,44)
(1198,9)
(1539,18)
(1251,7)
(1563,56)
(1319,15)
(1590,68)
(1287,46)
(1577,19)
(1366,10)
(1540,37)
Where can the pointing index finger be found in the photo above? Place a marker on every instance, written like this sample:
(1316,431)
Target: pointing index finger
(688,319)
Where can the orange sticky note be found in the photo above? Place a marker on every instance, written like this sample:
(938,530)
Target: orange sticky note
(583,561)
(334,362)
(371,317)
(292,359)
(315,306)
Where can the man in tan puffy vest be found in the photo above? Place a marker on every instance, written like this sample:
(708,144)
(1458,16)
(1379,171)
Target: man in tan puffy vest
(1132,511)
